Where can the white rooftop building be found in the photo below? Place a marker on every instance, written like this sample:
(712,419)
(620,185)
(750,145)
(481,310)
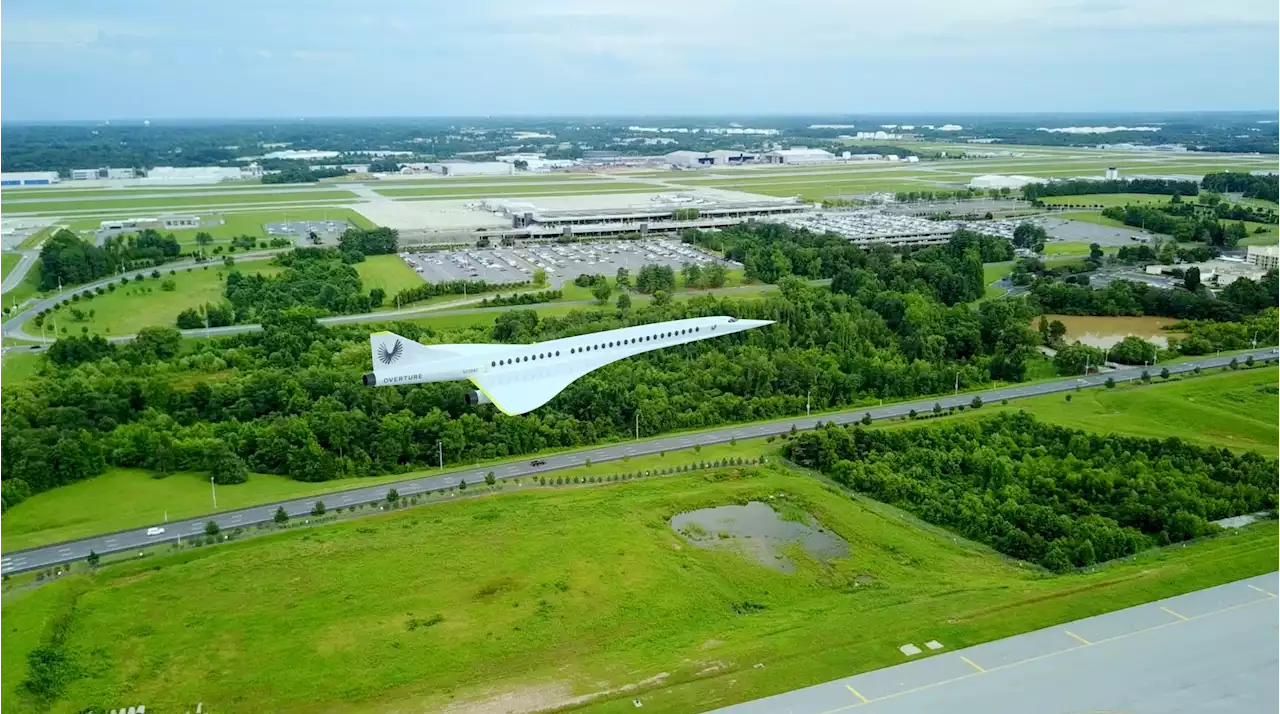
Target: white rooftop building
(989,181)
(1266,257)
(799,155)
(472,168)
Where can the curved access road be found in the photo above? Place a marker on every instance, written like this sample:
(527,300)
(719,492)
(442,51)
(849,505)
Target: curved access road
(45,556)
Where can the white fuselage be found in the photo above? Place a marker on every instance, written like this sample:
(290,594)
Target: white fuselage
(596,348)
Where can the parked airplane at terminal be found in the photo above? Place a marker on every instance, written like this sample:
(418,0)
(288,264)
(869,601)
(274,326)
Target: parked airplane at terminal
(520,378)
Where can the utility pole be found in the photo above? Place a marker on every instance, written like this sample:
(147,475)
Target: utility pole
(637,425)
(440,451)
(807,395)
(213,489)
(957,389)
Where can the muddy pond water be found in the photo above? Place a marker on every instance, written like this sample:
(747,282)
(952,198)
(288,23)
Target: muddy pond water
(759,532)
(1104,332)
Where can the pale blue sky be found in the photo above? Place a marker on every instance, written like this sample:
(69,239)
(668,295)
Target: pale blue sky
(84,59)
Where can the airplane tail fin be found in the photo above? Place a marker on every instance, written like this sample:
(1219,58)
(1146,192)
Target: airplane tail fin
(390,349)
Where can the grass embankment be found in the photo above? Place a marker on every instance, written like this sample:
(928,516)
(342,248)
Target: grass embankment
(8,261)
(17,367)
(538,596)
(145,303)
(35,239)
(992,272)
(1095,218)
(137,498)
(29,286)
(163,202)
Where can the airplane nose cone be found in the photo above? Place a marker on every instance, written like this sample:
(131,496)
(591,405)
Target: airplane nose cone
(752,324)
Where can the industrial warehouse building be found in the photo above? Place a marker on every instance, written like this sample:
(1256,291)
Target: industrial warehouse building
(102,174)
(799,155)
(997,181)
(472,168)
(29,178)
(719,157)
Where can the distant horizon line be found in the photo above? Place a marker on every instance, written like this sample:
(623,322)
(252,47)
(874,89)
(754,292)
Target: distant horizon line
(698,116)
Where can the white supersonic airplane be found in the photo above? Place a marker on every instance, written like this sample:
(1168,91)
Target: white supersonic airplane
(520,378)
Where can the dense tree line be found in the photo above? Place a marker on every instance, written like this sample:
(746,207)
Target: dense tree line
(1055,496)
(522,298)
(1121,297)
(952,273)
(301,173)
(653,278)
(1265,187)
(372,241)
(319,278)
(1081,187)
(1190,227)
(289,399)
(66,260)
(426,291)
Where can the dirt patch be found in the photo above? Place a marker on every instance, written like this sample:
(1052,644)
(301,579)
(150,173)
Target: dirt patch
(544,697)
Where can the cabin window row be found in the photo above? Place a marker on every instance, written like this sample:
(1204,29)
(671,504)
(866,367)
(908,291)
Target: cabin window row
(601,346)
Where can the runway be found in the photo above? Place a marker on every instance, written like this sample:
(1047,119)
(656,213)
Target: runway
(42,557)
(1211,650)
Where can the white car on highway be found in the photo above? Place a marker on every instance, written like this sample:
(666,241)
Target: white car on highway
(155,531)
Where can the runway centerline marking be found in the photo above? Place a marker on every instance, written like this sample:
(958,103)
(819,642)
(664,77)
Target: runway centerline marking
(857,694)
(973,664)
(1268,593)
(1078,637)
(1184,618)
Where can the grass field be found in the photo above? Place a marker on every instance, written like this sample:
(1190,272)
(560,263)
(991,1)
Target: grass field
(542,595)
(388,272)
(1091,217)
(246,223)
(29,286)
(164,202)
(993,272)
(518,189)
(139,499)
(131,307)
(1104,199)
(17,367)
(8,261)
(1232,409)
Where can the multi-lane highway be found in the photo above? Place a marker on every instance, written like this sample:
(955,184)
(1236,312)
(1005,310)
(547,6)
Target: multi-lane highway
(19,561)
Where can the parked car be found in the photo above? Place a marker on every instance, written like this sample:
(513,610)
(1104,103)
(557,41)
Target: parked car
(155,531)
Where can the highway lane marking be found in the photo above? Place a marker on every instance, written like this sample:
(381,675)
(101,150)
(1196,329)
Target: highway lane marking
(1078,637)
(973,664)
(1268,593)
(857,694)
(1184,618)
(1044,656)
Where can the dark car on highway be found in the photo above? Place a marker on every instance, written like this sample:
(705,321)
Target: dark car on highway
(537,462)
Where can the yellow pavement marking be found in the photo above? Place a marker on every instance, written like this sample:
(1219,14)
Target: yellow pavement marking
(1047,655)
(1264,592)
(971,663)
(1078,637)
(1184,618)
(857,694)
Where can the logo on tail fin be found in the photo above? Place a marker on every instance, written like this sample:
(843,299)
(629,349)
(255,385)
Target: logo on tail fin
(387,356)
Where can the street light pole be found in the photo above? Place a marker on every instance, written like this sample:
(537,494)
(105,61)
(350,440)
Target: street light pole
(957,389)
(637,425)
(212,489)
(807,404)
(440,451)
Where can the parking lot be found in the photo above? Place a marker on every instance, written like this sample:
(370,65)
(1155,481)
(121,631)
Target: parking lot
(562,262)
(300,231)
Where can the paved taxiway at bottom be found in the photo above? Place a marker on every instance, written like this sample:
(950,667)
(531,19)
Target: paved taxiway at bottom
(1212,650)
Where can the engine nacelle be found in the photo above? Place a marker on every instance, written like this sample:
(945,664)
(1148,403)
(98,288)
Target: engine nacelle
(478,397)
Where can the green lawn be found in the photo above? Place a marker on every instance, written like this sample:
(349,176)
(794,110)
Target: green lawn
(1232,409)
(246,223)
(992,272)
(8,261)
(388,272)
(540,595)
(1105,199)
(137,498)
(1091,217)
(29,286)
(519,189)
(131,307)
(18,366)
(1068,248)
(165,202)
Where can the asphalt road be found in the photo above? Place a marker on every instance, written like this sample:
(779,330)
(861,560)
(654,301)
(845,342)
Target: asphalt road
(1211,650)
(15,276)
(35,558)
